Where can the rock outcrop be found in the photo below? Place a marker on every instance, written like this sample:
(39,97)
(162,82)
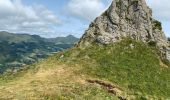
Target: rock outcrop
(127,18)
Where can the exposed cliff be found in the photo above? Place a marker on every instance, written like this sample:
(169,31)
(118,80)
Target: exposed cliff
(127,18)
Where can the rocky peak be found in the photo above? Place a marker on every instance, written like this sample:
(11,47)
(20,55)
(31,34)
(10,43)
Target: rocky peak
(126,18)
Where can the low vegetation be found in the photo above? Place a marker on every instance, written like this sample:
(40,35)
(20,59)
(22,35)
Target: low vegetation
(125,70)
(134,66)
(157,25)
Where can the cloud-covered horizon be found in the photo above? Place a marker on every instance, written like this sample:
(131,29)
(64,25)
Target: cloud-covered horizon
(74,18)
(20,18)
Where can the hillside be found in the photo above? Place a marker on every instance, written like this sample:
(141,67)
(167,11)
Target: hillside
(128,69)
(18,50)
(123,55)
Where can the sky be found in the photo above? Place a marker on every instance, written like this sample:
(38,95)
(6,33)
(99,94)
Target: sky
(53,18)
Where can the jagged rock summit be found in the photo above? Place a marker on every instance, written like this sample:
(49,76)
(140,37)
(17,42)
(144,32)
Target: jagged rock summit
(126,18)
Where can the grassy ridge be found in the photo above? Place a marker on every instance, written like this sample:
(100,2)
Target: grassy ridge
(132,66)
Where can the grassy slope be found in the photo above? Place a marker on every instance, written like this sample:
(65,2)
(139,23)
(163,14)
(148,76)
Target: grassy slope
(132,66)
(50,80)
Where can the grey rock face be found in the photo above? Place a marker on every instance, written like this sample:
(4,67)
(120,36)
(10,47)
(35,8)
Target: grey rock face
(126,18)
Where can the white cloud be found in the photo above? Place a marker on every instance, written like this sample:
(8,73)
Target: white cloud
(86,9)
(161,12)
(89,9)
(17,17)
(160,9)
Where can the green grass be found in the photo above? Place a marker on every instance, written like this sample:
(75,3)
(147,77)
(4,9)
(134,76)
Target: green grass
(50,80)
(134,68)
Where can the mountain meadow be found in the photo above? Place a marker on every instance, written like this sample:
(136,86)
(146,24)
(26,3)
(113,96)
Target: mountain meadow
(124,54)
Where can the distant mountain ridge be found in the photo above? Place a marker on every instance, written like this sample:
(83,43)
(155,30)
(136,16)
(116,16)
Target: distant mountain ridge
(15,38)
(18,50)
(70,39)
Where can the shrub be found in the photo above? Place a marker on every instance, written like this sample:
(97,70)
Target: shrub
(157,25)
(152,43)
(169,39)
